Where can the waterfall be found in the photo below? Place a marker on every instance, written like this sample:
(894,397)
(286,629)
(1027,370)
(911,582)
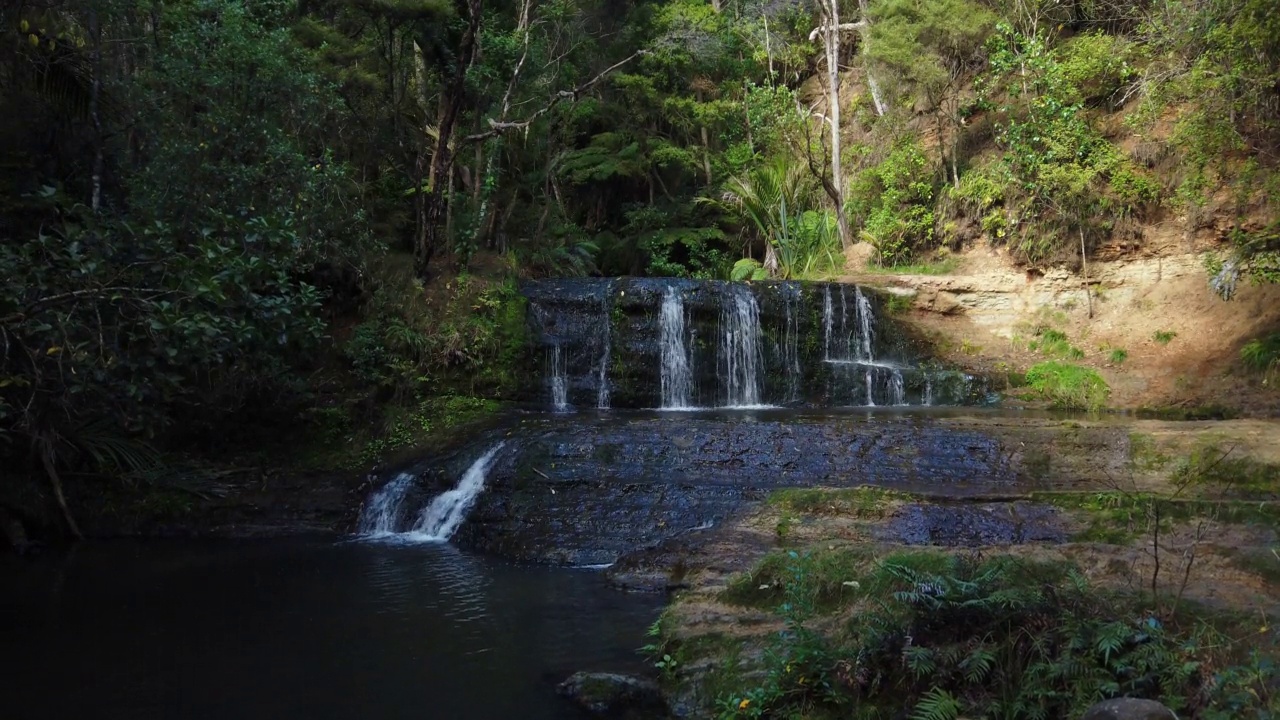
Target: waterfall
(828,322)
(866,323)
(602,386)
(559,380)
(789,352)
(679,344)
(381,514)
(740,355)
(676,370)
(439,520)
(842,343)
(897,388)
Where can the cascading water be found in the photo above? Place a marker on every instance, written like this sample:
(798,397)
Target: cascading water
(842,343)
(676,372)
(866,324)
(789,352)
(559,380)
(436,522)
(381,515)
(828,322)
(740,349)
(897,388)
(740,355)
(618,343)
(439,520)
(606,341)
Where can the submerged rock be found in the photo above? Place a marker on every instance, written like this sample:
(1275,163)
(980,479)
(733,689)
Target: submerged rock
(614,695)
(1129,709)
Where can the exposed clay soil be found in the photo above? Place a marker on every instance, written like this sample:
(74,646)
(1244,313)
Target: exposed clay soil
(983,315)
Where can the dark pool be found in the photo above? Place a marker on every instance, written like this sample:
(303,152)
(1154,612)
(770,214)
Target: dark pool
(289,629)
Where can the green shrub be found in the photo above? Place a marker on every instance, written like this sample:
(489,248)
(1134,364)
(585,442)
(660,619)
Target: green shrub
(1119,355)
(1054,343)
(1068,386)
(894,200)
(1164,337)
(1096,65)
(949,636)
(1262,354)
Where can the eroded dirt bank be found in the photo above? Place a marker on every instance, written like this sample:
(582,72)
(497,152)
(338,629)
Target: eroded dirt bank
(1178,342)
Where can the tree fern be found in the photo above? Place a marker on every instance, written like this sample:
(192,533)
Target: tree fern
(977,665)
(920,661)
(937,704)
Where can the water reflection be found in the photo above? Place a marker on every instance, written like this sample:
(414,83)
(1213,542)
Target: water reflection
(288,629)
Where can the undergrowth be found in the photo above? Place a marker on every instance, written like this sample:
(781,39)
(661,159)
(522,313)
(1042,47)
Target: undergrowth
(934,636)
(943,266)
(1054,343)
(1069,386)
(1119,518)
(1262,354)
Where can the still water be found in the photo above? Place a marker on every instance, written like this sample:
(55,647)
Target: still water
(287,629)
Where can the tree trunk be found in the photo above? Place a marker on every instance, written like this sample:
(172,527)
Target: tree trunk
(95,93)
(876,97)
(831,44)
(706,144)
(451,99)
(45,449)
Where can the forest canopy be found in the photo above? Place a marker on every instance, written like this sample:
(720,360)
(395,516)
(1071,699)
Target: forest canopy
(192,191)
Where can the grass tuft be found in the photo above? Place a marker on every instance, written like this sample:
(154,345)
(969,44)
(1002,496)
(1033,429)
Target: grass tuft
(1068,386)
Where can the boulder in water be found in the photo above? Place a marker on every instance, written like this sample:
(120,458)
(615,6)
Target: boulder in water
(1129,709)
(613,695)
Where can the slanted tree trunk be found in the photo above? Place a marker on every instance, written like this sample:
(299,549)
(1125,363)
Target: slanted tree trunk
(44,447)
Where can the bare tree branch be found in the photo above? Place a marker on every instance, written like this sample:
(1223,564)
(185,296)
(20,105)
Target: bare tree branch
(498,127)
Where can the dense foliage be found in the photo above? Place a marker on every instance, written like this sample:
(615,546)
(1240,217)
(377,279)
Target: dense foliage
(933,636)
(194,194)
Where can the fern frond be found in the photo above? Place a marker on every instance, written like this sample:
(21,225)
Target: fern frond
(937,704)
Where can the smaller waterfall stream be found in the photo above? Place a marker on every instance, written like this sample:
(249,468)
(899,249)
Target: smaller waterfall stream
(790,345)
(676,372)
(559,380)
(740,356)
(606,341)
(897,388)
(866,324)
(381,515)
(437,521)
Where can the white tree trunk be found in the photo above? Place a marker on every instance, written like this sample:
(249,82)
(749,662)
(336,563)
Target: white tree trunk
(831,43)
(865,27)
